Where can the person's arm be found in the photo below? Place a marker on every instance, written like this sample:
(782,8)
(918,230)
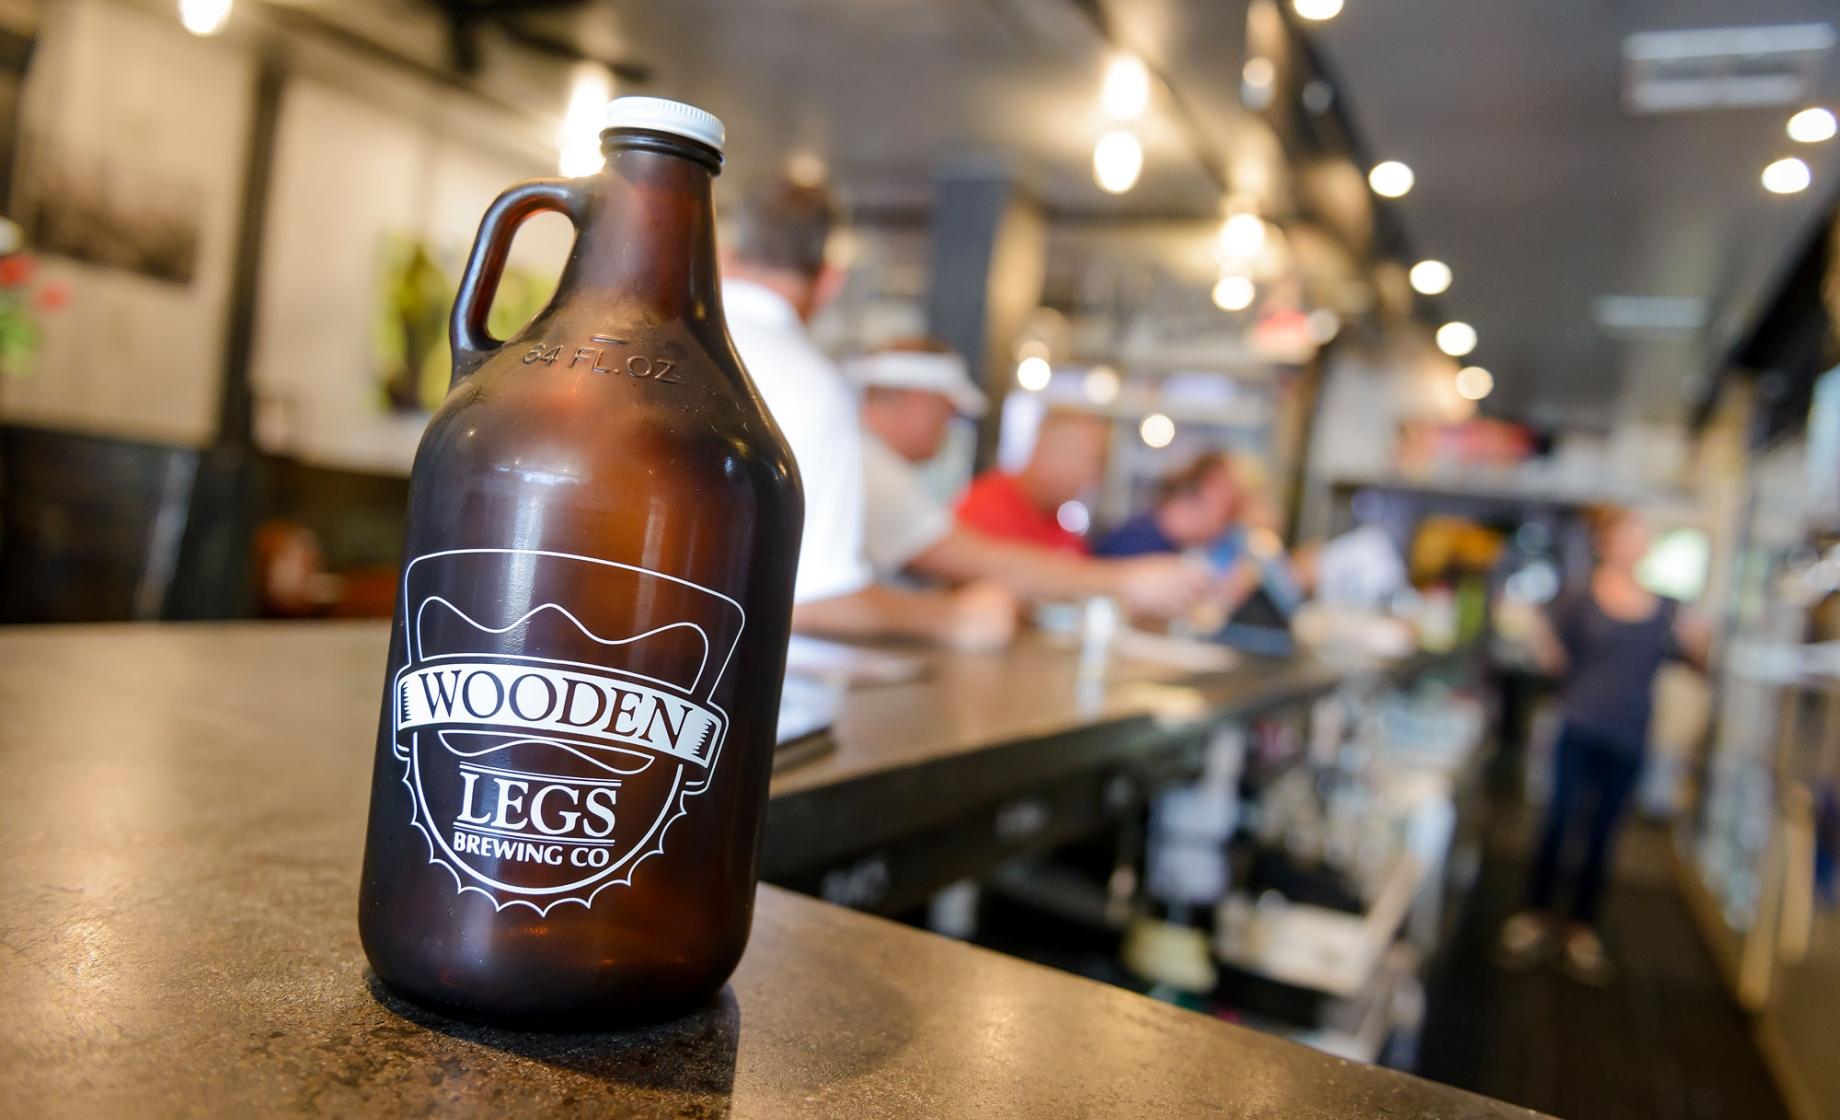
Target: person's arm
(1543,635)
(1306,566)
(1163,585)
(980,616)
(1693,638)
(1237,585)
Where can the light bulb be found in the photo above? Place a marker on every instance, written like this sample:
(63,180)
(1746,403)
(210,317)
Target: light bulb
(1033,374)
(204,17)
(1390,179)
(1786,176)
(1474,383)
(1234,292)
(578,138)
(1456,339)
(1157,430)
(1118,159)
(1429,278)
(1126,92)
(1101,385)
(1317,10)
(806,169)
(1242,236)
(1811,126)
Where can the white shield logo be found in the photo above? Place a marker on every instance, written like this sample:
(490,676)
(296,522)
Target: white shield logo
(555,716)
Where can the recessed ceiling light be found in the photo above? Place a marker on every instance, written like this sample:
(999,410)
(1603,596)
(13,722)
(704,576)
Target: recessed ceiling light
(1317,9)
(1234,292)
(1474,383)
(1242,236)
(1429,278)
(578,140)
(204,17)
(1157,430)
(1101,385)
(1118,159)
(1034,374)
(1390,179)
(1811,126)
(1786,176)
(1126,92)
(1456,338)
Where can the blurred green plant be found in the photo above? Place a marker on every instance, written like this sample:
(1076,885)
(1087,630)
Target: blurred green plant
(411,328)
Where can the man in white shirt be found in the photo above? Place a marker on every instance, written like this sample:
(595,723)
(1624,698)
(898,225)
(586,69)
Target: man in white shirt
(775,276)
(911,390)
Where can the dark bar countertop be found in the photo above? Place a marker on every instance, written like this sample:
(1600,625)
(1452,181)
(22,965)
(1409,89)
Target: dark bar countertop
(183,814)
(923,771)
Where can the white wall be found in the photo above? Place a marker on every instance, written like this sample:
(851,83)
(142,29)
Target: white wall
(349,174)
(1367,392)
(363,152)
(160,110)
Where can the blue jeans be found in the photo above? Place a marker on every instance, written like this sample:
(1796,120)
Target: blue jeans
(1593,776)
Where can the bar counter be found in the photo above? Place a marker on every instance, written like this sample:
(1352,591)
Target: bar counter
(991,756)
(183,816)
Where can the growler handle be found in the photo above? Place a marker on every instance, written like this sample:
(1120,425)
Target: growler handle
(472,343)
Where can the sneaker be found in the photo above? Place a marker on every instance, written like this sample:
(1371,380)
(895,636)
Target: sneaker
(1524,941)
(1586,960)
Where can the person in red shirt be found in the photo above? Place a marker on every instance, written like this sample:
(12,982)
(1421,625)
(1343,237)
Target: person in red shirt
(1067,461)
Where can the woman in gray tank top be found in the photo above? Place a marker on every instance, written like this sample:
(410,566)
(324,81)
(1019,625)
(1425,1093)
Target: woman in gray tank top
(1605,640)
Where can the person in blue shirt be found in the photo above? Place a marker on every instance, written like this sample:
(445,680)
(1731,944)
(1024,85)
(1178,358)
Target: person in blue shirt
(1194,509)
(1217,508)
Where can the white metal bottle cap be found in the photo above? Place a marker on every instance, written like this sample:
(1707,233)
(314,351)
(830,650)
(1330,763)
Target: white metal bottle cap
(661,115)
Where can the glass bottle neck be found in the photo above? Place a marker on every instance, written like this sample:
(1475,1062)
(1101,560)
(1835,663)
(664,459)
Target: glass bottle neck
(649,242)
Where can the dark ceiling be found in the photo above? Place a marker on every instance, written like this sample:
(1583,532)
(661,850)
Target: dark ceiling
(1543,193)
(887,91)
(1534,182)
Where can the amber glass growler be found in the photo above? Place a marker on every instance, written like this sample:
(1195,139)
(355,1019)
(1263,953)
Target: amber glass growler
(584,675)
